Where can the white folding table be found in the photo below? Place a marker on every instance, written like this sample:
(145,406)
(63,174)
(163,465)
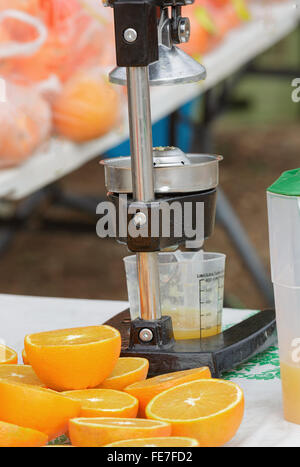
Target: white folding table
(263,424)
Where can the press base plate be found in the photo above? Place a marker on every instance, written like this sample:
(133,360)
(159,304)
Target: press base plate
(220,353)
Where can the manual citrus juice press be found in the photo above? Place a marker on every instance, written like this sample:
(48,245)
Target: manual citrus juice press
(169,200)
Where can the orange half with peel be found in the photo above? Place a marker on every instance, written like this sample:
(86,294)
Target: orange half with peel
(78,358)
(210,410)
(20,374)
(7,355)
(168,442)
(13,436)
(95,432)
(105,403)
(25,358)
(37,408)
(128,370)
(146,390)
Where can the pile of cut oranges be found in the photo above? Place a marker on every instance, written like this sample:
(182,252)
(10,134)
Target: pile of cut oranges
(74,383)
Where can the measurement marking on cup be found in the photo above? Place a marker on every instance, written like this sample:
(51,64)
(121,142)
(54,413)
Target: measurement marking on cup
(211,290)
(220,301)
(200,304)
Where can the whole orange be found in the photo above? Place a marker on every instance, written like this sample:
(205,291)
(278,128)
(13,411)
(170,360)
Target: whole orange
(18,142)
(87,107)
(25,123)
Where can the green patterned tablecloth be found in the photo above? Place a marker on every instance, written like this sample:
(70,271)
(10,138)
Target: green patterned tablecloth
(264,366)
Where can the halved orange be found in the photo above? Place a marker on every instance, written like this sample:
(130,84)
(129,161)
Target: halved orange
(95,432)
(210,410)
(146,390)
(37,408)
(20,373)
(128,370)
(25,358)
(105,403)
(77,358)
(7,355)
(168,442)
(13,436)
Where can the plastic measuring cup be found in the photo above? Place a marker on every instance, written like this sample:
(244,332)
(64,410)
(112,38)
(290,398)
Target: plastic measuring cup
(284,233)
(191,292)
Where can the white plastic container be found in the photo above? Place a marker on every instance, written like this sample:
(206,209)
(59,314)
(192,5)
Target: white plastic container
(191,291)
(284,233)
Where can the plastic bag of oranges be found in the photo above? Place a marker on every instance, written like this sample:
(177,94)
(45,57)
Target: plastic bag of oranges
(77,35)
(25,123)
(48,52)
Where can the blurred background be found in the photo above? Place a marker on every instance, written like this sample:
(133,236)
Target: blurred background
(60,116)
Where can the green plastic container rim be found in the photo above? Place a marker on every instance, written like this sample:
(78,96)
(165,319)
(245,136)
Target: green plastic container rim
(288,184)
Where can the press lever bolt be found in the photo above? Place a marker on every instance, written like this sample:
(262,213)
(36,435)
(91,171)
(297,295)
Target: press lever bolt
(184,30)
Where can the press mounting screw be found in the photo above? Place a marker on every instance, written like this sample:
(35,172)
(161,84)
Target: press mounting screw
(146,335)
(130,35)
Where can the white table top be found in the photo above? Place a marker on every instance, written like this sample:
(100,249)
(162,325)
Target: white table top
(263,424)
(21,315)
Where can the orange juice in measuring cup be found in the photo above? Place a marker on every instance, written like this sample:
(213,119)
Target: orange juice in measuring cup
(191,291)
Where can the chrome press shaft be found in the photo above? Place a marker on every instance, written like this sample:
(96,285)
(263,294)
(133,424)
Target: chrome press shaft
(143,182)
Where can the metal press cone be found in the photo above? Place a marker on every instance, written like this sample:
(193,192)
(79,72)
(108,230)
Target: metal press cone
(173,67)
